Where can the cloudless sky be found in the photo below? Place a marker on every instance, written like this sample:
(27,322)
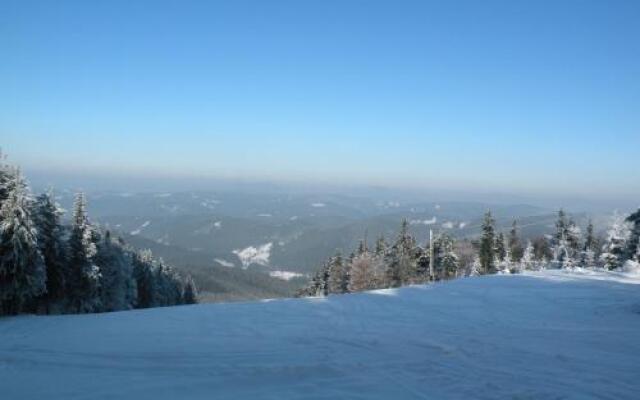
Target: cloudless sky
(523,96)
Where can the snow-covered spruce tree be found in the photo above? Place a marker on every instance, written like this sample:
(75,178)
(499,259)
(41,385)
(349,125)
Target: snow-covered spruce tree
(8,176)
(562,257)
(362,277)
(118,287)
(190,293)
(168,285)
(338,275)
(633,242)
(515,245)
(561,226)
(487,245)
(84,286)
(613,251)
(50,236)
(447,260)
(422,264)
(145,279)
(588,255)
(573,237)
(501,247)
(527,262)
(401,266)
(22,269)
(476,267)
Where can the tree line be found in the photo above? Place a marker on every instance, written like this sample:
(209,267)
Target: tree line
(404,262)
(51,268)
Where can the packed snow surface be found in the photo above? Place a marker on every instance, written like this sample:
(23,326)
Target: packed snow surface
(546,335)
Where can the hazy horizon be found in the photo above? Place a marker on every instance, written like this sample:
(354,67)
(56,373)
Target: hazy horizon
(522,99)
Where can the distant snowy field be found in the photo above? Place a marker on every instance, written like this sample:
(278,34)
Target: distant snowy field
(545,335)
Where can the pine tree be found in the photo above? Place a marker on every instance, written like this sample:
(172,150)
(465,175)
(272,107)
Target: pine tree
(401,265)
(501,248)
(633,242)
(515,245)
(447,260)
(22,268)
(487,244)
(573,236)
(527,261)
(381,246)
(338,278)
(84,285)
(561,226)
(190,291)
(118,288)
(8,176)
(476,267)
(145,280)
(362,277)
(50,234)
(613,250)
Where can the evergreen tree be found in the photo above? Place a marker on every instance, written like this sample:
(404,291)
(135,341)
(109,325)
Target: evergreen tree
(476,267)
(501,248)
(515,245)
(561,226)
(401,266)
(338,277)
(22,268)
(588,254)
(50,234)
(362,277)
(487,245)
(84,286)
(145,280)
(527,262)
(8,176)
(613,251)
(541,249)
(118,287)
(573,236)
(381,247)
(447,260)
(633,241)
(190,291)
(590,239)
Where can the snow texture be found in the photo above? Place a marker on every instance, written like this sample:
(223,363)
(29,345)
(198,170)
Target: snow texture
(224,262)
(140,228)
(254,255)
(547,335)
(285,275)
(430,221)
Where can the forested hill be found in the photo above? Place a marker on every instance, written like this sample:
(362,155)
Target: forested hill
(48,267)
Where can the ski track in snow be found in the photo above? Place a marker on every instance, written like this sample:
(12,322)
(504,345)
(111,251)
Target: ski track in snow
(543,335)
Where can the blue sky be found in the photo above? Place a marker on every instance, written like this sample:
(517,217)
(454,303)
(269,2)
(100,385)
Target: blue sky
(523,96)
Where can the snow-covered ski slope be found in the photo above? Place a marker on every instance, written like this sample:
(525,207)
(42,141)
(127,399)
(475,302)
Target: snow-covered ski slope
(548,335)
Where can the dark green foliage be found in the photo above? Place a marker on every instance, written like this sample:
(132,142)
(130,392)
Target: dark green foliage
(633,243)
(515,245)
(53,249)
(487,245)
(22,269)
